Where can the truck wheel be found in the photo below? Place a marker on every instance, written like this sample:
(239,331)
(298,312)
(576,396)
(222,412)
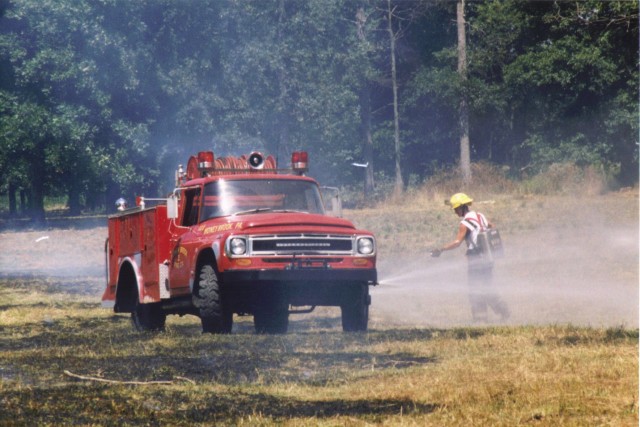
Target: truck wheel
(207,297)
(148,317)
(272,319)
(355,309)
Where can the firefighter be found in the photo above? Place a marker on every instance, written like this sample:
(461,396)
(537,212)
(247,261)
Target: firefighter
(480,270)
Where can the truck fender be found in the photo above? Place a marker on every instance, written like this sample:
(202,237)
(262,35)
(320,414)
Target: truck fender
(205,255)
(216,249)
(134,263)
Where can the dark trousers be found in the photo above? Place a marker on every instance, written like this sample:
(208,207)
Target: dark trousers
(482,296)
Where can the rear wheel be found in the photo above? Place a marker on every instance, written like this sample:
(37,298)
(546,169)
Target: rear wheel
(148,317)
(207,298)
(355,308)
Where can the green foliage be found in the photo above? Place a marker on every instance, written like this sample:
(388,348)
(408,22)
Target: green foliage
(108,97)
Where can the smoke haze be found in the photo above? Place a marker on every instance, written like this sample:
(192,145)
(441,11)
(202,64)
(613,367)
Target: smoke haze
(586,275)
(580,276)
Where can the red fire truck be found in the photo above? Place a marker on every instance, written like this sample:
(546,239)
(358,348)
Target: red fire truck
(238,236)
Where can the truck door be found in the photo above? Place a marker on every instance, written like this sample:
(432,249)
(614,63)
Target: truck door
(182,243)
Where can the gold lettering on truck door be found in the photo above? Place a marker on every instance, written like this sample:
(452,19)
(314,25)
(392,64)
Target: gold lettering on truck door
(178,257)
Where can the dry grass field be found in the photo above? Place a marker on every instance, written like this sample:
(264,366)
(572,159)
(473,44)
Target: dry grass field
(568,355)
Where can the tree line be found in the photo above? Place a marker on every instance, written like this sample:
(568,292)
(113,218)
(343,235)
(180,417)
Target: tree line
(102,98)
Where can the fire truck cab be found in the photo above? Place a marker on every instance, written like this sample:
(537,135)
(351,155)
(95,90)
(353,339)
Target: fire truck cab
(238,236)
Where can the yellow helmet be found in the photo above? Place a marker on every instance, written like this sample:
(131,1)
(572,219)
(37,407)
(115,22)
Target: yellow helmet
(460,199)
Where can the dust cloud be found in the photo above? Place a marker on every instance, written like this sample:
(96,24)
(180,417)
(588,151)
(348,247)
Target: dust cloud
(584,275)
(580,276)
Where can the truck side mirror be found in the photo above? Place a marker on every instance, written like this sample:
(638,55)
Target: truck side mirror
(172,207)
(332,201)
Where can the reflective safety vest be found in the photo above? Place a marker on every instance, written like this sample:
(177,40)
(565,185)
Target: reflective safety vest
(475,223)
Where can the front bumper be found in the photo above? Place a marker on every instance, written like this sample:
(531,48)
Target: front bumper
(246,290)
(312,276)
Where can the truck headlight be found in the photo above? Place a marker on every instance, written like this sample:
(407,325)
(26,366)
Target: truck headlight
(238,246)
(366,246)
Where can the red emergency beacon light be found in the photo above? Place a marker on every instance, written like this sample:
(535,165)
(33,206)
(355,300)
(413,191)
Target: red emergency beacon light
(300,161)
(205,160)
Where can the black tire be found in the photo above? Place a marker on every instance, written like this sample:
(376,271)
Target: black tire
(355,308)
(207,298)
(148,317)
(271,319)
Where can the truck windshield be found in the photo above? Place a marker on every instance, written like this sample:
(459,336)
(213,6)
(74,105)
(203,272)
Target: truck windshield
(229,197)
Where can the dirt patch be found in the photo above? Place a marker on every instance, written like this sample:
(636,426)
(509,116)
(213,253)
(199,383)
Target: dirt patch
(53,252)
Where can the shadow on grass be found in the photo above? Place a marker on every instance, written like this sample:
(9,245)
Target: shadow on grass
(273,406)
(120,405)
(254,364)
(110,347)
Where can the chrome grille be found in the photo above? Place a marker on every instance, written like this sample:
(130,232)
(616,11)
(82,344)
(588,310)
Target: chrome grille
(302,244)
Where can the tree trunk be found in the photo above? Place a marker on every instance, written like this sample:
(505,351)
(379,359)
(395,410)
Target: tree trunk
(465,152)
(399,185)
(23,201)
(365,115)
(367,151)
(282,151)
(36,199)
(13,207)
(73,198)
(111,194)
